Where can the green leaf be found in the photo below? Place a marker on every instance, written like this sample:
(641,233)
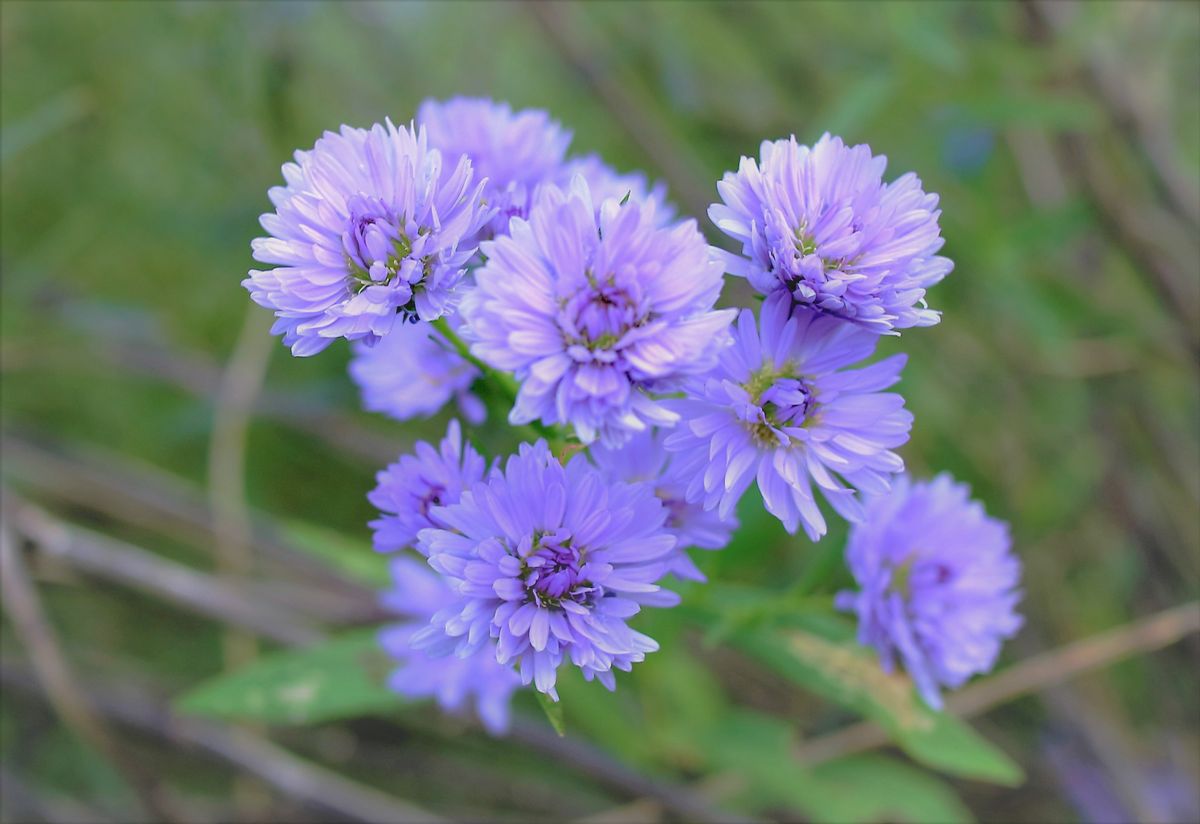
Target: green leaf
(340,678)
(554,713)
(841,671)
(760,751)
(897,793)
(349,556)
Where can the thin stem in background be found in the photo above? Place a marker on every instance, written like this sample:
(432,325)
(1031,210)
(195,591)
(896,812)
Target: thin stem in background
(292,776)
(237,395)
(122,563)
(24,608)
(1032,675)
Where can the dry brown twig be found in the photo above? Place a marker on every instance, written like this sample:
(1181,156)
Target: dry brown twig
(1158,240)
(233,536)
(131,566)
(1031,675)
(1141,128)
(292,776)
(110,485)
(24,608)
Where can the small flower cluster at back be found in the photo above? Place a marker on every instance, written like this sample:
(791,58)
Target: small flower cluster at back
(468,257)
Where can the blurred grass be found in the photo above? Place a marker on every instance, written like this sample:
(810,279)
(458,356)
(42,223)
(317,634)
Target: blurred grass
(137,142)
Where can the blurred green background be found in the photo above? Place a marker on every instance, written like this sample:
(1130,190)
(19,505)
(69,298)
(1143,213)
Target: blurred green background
(138,142)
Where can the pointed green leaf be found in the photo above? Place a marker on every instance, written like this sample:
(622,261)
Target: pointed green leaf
(898,793)
(838,669)
(554,713)
(340,678)
(761,752)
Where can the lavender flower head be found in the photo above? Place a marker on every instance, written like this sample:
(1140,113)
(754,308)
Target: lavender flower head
(604,183)
(419,592)
(413,372)
(409,492)
(938,583)
(644,460)
(781,408)
(515,151)
(820,224)
(371,230)
(548,562)
(594,307)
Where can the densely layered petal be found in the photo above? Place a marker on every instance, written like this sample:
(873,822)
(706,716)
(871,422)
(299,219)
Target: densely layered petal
(781,410)
(372,229)
(548,563)
(596,308)
(644,460)
(938,583)
(820,224)
(455,683)
(414,372)
(409,491)
(516,151)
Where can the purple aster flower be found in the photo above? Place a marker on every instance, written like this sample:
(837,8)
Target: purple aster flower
(419,592)
(409,492)
(594,310)
(515,151)
(412,373)
(820,224)
(782,409)
(605,182)
(371,230)
(548,563)
(643,460)
(938,582)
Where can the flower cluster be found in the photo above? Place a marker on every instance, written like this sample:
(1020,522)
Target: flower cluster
(470,258)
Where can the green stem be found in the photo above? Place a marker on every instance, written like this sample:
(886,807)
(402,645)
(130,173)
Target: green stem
(498,382)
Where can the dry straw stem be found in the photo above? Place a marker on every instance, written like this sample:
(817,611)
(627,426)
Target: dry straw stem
(1158,239)
(24,608)
(104,557)
(292,776)
(198,374)
(111,485)
(21,802)
(1029,676)
(240,387)
(1138,124)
